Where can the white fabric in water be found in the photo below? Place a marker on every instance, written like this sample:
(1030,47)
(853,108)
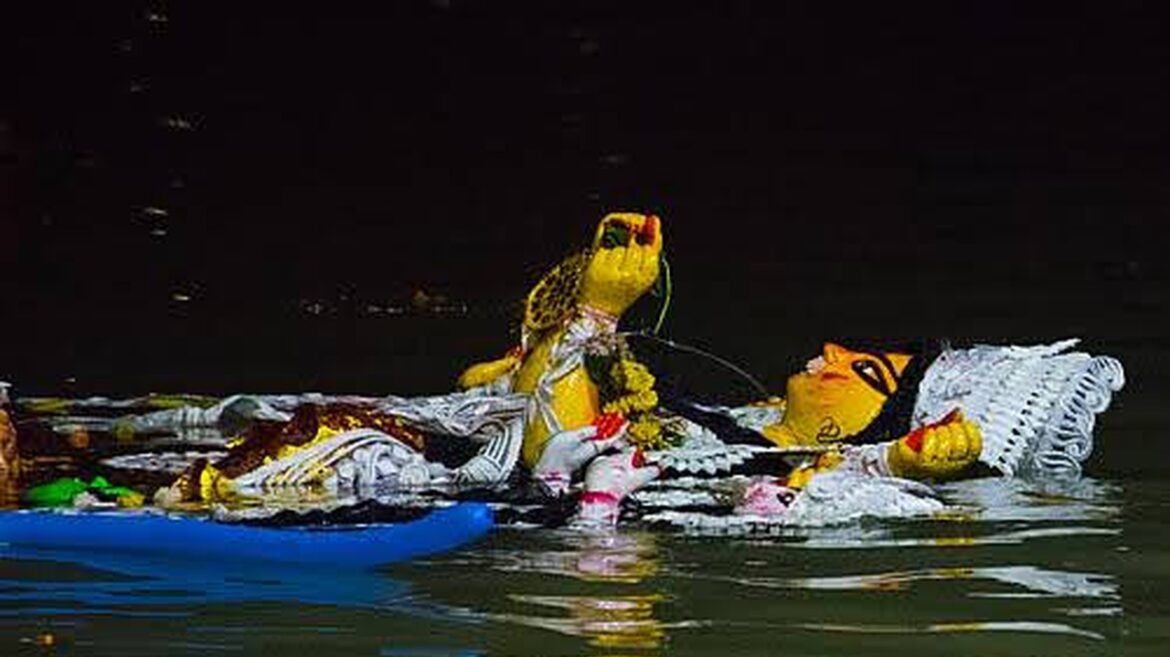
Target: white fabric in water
(754,418)
(354,461)
(840,496)
(237,409)
(1036,406)
(173,463)
(830,498)
(479,414)
(364,458)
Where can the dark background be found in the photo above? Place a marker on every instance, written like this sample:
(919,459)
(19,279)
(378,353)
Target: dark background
(978,172)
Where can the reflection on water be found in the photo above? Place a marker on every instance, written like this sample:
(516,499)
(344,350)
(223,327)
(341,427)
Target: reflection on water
(49,588)
(1001,500)
(1015,571)
(1036,582)
(947,628)
(31,584)
(614,620)
(625,558)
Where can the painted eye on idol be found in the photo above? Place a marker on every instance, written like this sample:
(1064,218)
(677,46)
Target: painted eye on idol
(871,374)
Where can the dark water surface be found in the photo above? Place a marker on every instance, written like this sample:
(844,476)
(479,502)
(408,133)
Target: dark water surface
(1034,576)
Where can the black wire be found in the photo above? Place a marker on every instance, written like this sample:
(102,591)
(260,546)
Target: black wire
(705,354)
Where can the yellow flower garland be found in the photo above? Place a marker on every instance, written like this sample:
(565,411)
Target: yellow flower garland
(637,403)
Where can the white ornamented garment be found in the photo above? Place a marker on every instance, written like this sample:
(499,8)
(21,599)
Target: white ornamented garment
(366,458)
(837,497)
(1036,406)
(496,420)
(354,461)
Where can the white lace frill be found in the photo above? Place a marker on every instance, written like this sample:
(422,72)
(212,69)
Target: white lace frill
(1036,406)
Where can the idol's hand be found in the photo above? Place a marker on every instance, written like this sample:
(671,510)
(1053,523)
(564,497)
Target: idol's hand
(624,263)
(607,481)
(941,450)
(568,451)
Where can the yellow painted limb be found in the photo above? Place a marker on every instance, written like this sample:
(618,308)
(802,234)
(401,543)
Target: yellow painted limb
(781,434)
(484,373)
(575,404)
(213,485)
(575,398)
(535,364)
(947,450)
(616,277)
(799,477)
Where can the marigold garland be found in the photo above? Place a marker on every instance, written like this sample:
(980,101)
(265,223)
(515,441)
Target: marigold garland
(631,393)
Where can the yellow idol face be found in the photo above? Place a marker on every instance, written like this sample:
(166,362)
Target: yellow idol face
(837,395)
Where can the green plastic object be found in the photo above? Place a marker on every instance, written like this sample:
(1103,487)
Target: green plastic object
(63,491)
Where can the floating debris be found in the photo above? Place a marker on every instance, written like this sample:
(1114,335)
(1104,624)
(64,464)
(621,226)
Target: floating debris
(177,123)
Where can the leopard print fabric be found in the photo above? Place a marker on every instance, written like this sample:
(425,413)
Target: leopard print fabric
(553,300)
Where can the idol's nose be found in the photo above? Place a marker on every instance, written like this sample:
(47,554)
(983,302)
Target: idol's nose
(833,352)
